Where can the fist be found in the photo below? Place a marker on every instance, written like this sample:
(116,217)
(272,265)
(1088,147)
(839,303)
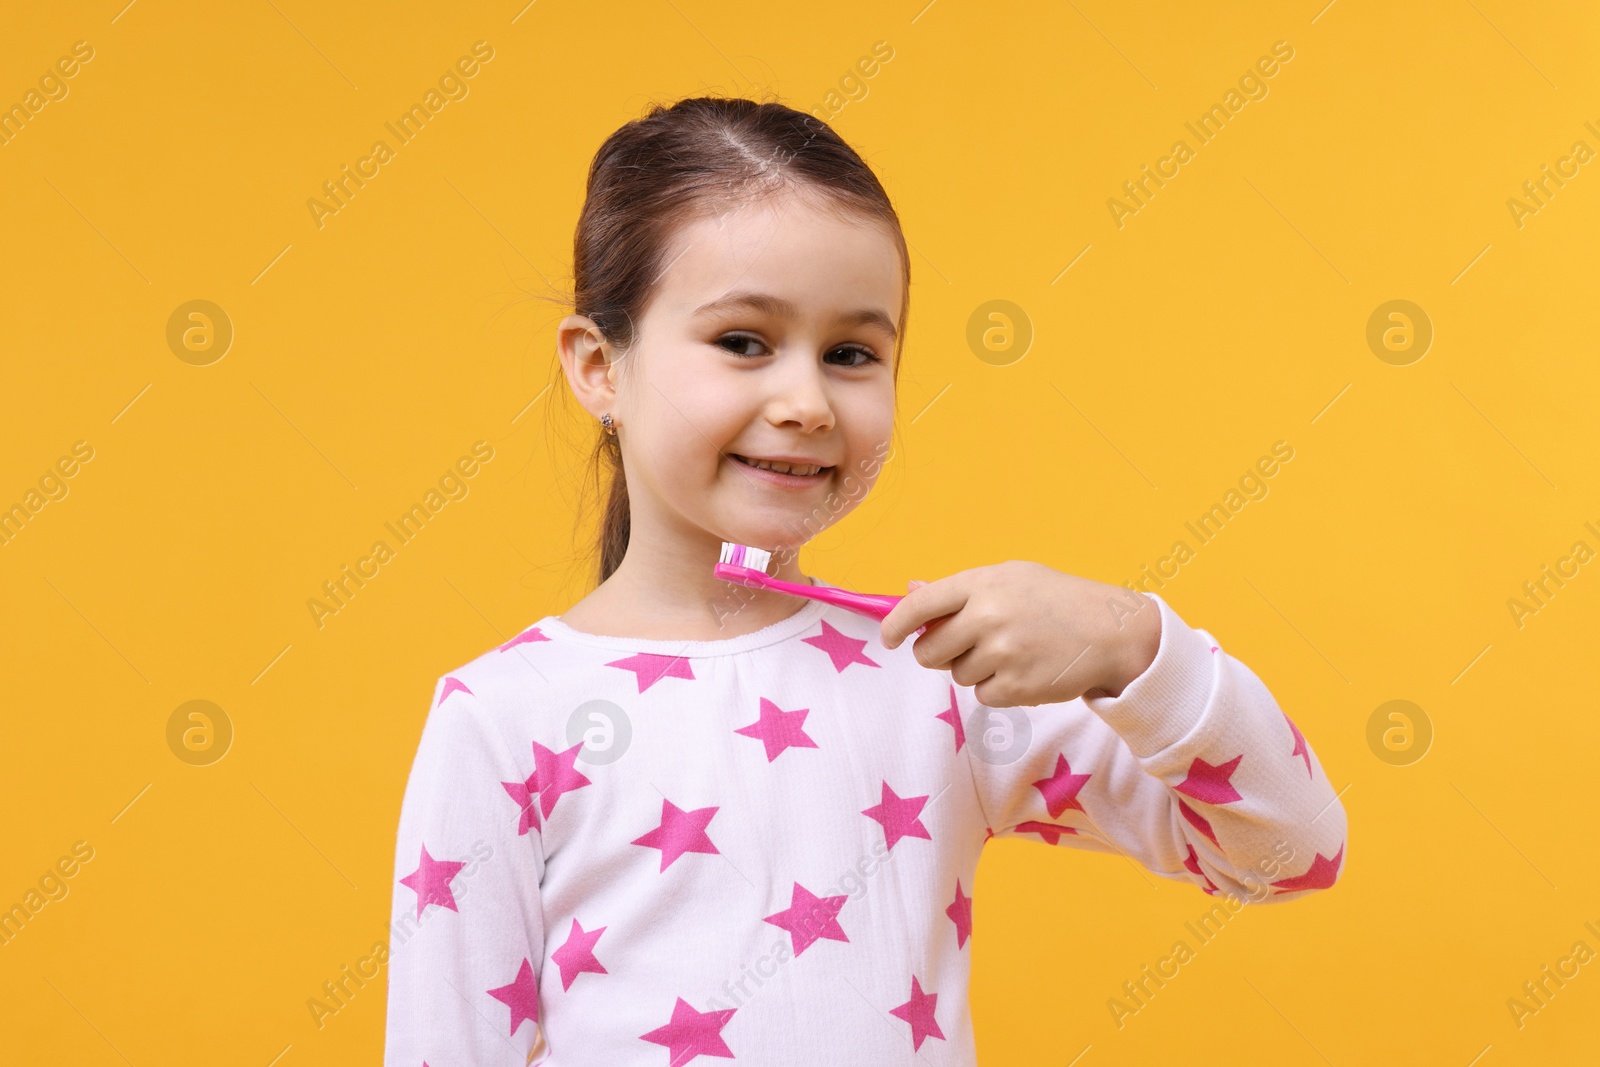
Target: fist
(1022,633)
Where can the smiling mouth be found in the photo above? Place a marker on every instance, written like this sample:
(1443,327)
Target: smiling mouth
(793,470)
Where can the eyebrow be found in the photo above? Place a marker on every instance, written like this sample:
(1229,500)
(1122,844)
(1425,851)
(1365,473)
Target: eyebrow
(779,308)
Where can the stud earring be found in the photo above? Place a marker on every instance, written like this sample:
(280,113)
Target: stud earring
(609,425)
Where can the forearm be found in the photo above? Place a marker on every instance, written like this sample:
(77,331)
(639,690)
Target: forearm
(1250,811)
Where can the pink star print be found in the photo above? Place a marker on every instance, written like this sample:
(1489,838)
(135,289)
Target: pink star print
(1299,743)
(521,996)
(577,955)
(1211,784)
(680,831)
(431,882)
(809,917)
(651,668)
(899,816)
(1320,875)
(841,649)
(1061,788)
(960,912)
(1047,830)
(1192,865)
(1197,822)
(451,685)
(778,729)
(525,793)
(952,715)
(557,773)
(526,637)
(918,1011)
(692,1033)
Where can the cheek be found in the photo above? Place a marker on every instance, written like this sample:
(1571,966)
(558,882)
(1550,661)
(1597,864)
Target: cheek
(687,424)
(680,453)
(868,422)
(870,443)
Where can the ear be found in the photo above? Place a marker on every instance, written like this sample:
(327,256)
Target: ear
(590,363)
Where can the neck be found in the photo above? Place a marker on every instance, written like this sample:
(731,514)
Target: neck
(666,587)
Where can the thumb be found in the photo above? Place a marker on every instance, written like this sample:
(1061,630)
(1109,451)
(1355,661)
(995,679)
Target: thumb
(913,583)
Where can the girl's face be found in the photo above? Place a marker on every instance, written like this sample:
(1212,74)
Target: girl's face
(771,337)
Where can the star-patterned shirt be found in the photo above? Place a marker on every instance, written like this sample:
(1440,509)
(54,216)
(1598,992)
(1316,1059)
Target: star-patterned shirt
(617,851)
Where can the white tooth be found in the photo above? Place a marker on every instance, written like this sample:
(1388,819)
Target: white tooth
(785,468)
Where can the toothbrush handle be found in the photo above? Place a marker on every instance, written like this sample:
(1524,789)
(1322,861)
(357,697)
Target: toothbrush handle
(872,605)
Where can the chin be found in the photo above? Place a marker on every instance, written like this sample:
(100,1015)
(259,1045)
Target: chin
(778,525)
(775,537)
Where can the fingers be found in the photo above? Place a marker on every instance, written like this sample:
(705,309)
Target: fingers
(923,604)
(971,667)
(945,641)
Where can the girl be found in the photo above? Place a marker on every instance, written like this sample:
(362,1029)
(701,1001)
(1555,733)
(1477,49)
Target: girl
(688,820)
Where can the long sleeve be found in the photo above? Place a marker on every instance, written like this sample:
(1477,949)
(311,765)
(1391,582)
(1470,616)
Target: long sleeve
(1192,771)
(467,931)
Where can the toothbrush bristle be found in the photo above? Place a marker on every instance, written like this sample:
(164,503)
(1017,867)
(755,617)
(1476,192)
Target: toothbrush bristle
(744,556)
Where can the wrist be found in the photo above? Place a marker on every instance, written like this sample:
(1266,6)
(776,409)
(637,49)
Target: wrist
(1139,639)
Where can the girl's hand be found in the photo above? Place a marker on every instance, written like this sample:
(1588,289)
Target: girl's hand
(1025,634)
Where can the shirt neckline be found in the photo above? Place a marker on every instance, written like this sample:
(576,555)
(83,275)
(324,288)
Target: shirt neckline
(782,630)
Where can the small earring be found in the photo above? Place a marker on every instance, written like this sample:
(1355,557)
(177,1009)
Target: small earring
(609,425)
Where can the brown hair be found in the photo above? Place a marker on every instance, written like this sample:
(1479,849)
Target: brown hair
(675,163)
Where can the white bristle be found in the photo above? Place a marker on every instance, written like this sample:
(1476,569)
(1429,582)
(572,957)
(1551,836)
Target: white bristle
(745,556)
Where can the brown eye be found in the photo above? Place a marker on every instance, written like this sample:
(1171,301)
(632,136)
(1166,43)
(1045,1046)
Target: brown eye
(732,340)
(868,357)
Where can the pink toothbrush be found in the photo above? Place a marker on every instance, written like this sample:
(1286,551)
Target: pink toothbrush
(747,566)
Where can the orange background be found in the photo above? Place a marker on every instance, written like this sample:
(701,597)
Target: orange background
(1229,313)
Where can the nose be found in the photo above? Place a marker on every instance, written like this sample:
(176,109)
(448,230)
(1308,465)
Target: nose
(800,397)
